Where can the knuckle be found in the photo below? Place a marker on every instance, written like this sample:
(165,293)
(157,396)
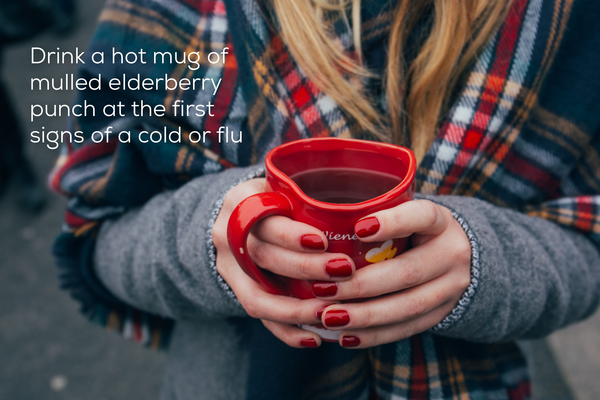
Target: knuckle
(411,275)
(372,339)
(396,222)
(463,251)
(252,306)
(305,268)
(429,212)
(463,281)
(258,252)
(272,228)
(285,235)
(461,265)
(366,318)
(407,331)
(377,338)
(416,307)
(219,239)
(296,315)
(356,286)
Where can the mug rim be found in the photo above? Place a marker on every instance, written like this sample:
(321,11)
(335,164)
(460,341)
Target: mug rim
(355,144)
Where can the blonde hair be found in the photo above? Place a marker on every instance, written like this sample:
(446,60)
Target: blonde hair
(459,29)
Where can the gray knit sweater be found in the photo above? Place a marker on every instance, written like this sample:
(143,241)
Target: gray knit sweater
(530,277)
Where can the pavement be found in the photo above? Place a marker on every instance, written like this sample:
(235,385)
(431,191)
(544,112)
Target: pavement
(49,352)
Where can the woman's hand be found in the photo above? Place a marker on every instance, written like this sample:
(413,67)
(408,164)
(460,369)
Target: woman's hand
(412,292)
(287,248)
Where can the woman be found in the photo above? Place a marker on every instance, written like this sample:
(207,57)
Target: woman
(504,233)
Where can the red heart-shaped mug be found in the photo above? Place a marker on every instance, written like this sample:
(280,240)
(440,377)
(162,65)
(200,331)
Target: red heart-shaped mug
(328,183)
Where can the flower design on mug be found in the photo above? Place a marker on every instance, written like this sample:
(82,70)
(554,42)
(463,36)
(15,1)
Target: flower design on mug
(385,252)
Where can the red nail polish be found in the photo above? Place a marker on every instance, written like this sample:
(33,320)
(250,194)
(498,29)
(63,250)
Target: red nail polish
(324,289)
(320,310)
(339,268)
(337,318)
(312,242)
(350,341)
(310,343)
(367,227)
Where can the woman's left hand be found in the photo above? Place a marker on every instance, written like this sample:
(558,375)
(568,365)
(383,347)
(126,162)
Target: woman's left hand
(407,294)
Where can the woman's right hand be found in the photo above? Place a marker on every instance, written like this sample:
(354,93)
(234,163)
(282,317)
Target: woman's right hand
(286,248)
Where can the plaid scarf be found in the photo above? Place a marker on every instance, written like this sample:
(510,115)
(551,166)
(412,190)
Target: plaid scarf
(496,143)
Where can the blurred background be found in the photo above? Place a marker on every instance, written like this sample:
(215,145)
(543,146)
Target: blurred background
(48,351)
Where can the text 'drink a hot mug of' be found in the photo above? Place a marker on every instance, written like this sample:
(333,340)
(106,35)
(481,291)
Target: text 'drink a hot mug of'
(328,183)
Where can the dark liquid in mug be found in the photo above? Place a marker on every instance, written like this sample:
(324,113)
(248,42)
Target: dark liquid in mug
(344,185)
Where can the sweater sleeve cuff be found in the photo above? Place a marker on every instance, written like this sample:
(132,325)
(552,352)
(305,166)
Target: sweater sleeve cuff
(212,251)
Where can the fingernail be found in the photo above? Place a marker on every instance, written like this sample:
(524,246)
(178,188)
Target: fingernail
(312,242)
(337,318)
(310,343)
(320,310)
(339,268)
(367,227)
(324,289)
(350,341)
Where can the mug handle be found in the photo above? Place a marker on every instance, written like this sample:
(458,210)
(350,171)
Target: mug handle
(242,219)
